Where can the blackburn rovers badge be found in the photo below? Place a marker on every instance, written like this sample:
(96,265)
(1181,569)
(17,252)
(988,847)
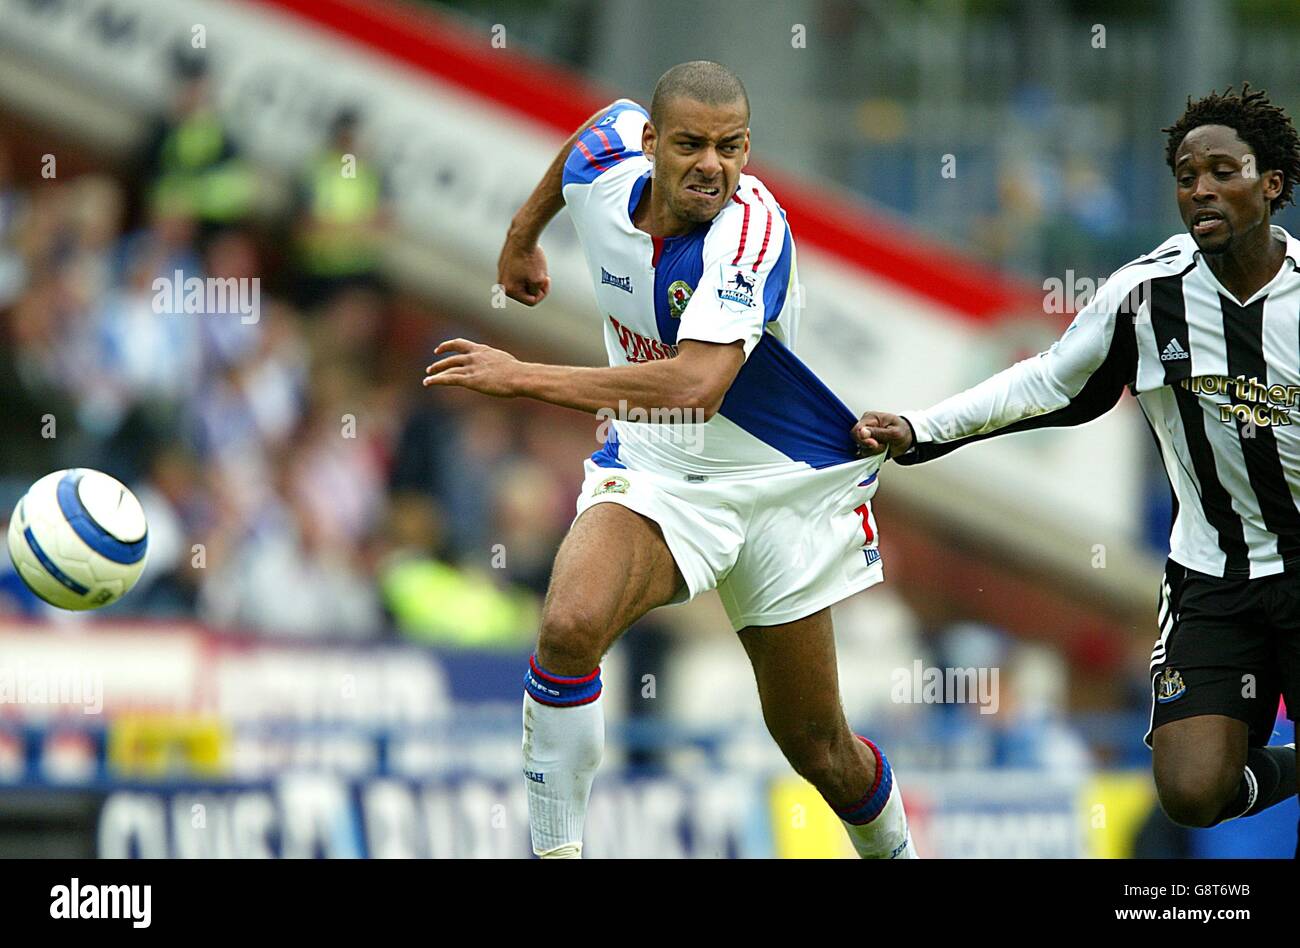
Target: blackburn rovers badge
(679,294)
(1169,686)
(612,485)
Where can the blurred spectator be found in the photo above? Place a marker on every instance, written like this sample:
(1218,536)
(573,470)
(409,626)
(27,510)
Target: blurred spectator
(233,326)
(191,158)
(95,209)
(286,577)
(526,531)
(39,422)
(484,444)
(179,512)
(435,602)
(341,217)
(137,367)
(12,204)
(334,468)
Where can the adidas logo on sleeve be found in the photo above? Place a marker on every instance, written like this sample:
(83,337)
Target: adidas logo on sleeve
(1173,351)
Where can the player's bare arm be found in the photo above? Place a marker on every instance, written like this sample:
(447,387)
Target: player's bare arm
(521,268)
(695,380)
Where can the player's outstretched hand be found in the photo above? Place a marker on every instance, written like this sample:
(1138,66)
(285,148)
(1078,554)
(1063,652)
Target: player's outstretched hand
(474,366)
(879,431)
(521,270)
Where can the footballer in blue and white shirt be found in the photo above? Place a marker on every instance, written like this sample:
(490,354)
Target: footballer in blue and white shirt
(789,528)
(768,500)
(726,463)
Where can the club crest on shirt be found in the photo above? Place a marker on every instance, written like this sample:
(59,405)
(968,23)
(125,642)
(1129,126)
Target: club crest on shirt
(1169,686)
(736,288)
(612,485)
(679,294)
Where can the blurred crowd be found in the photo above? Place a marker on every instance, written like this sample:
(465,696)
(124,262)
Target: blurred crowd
(296,475)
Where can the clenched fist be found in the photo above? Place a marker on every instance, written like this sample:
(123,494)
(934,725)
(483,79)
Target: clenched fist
(880,431)
(521,271)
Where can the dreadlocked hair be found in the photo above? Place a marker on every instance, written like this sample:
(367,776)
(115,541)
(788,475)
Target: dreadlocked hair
(1265,127)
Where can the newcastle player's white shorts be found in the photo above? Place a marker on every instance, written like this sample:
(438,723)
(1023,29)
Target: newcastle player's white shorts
(777,548)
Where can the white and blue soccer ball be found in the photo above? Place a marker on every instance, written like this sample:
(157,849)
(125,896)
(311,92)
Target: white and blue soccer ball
(79,539)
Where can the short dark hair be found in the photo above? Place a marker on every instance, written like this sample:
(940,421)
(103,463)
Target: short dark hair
(1265,127)
(704,81)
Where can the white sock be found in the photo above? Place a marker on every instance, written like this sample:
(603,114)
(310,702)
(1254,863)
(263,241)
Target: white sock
(877,823)
(564,736)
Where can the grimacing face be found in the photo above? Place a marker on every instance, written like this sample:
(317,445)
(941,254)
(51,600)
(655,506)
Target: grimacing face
(698,156)
(1222,192)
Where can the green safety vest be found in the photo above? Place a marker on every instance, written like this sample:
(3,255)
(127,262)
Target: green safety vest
(438,604)
(194,145)
(194,176)
(345,202)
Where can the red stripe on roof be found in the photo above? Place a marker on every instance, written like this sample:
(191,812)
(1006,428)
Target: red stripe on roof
(837,225)
(744,228)
(434,44)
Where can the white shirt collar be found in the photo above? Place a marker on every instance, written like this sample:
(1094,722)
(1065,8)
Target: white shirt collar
(1289,264)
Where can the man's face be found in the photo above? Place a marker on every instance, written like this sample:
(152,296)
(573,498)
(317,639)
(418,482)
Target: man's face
(1222,192)
(698,156)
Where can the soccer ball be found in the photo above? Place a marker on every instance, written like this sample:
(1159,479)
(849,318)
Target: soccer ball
(78,538)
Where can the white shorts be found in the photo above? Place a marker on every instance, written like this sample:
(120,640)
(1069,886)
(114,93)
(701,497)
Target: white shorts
(777,548)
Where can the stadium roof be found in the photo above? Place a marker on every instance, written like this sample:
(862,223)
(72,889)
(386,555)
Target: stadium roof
(840,225)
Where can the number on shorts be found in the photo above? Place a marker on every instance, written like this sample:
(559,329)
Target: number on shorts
(866,520)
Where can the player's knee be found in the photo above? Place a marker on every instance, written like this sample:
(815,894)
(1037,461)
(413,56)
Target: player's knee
(813,752)
(569,641)
(1192,798)
(814,763)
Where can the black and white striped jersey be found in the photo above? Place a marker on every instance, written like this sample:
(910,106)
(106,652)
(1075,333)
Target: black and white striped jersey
(1218,380)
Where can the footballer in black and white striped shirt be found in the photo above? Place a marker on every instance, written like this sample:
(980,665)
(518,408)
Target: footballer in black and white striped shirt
(1205,332)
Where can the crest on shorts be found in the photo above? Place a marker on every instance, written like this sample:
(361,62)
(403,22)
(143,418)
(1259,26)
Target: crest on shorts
(1169,686)
(612,485)
(679,294)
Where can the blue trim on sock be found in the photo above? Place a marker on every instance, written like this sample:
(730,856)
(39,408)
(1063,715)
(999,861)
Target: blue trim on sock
(560,691)
(874,800)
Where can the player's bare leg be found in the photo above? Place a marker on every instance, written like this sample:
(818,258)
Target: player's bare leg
(1206,773)
(612,568)
(798,685)
(1197,763)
